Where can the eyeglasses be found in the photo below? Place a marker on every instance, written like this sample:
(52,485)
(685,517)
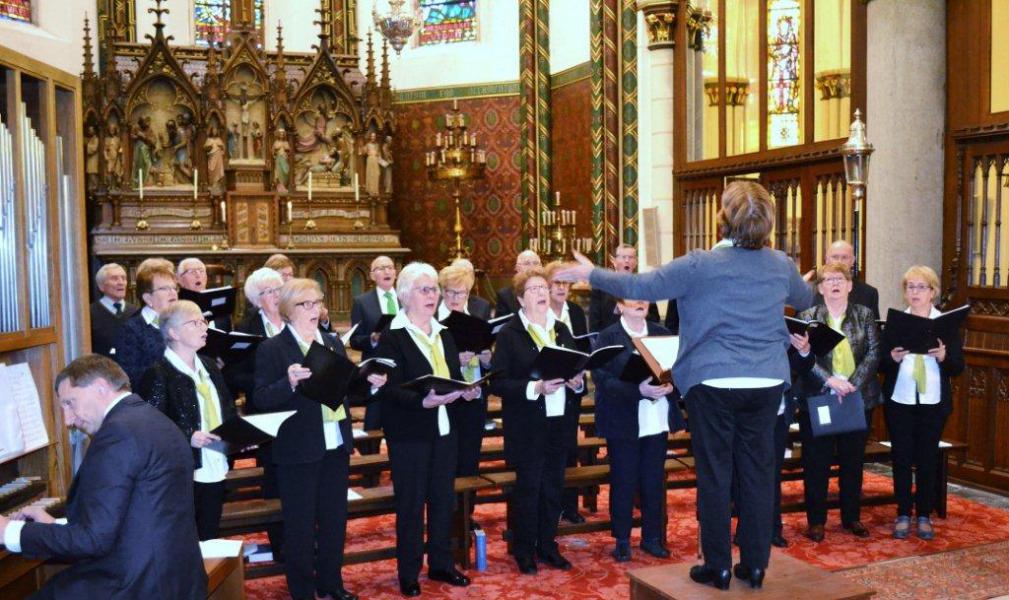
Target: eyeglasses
(917,287)
(199,323)
(560,284)
(194,270)
(426,290)
(309,304)
(166,288)
(384,268)
(270,292)
(456,293)
(528,263)
(536,288)
(833,280)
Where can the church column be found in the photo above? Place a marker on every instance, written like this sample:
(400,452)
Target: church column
(905,117)
(660,26)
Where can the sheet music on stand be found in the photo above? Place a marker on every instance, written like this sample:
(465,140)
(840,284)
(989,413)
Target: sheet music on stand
(22,428)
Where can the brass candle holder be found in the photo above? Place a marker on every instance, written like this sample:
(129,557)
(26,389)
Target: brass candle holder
(558,234)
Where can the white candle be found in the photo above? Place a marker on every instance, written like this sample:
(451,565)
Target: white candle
(289,210)
(357,189)
(140,179)
(557,195)
(224,212)
(455,104)
(196,179)
(310,185)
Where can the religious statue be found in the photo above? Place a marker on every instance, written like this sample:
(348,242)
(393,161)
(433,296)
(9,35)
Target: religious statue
(372,169)
(214,147)
(385,161)
(234,153)
(346,147)
(113,154)
(91,145)
(281,161)
(318,136)
(144,146)
(182,146)
(243,128)
(257,140)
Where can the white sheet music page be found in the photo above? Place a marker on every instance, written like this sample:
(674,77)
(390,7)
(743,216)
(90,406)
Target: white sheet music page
(22,412)
(664,348)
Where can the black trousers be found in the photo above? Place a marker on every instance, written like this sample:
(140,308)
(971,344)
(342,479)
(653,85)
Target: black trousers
(372,421)
(818,455)
(780,444)
(469,423)
(732,432)
(915,431)
(539,481)
(313,499)
(209,501)
(637,465)
(423,473)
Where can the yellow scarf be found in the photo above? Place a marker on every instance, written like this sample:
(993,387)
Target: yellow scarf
(919,374)
(328,414)
(435,353)
(211,418)
(842,359)
(538,340)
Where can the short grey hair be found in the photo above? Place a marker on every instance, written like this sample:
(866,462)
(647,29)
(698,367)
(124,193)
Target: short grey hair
(257,279)
(184,265)
(172,318)
(409,275)
(105,271)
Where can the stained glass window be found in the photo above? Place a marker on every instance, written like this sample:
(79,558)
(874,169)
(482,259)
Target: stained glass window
(16,10)
(212,18)
(784,72)
(447,21)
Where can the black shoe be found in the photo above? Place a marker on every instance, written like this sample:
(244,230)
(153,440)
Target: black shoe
(857,529)
(409,588)
(754,576)
(655,548)
(450,576)
(337,594)
(622,553)
(718,579)
(815,533)
(527,565)
(779,541)
(474,526)
(555,560)
(572,516)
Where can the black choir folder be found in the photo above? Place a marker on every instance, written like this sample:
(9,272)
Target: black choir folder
(554,362)
(919,334)
(586,341)
(829,414)
(216,303)
(382,323)
(335,375)
(230,346)
(442,385)
(241,432)
(822,338)
(472,334)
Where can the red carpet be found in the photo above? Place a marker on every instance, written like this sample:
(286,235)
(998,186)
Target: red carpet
(596,575)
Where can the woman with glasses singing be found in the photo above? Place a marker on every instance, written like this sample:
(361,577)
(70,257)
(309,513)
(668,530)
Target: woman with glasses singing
(851,366)
(191,391)
(421,430)
(540,421)
(140,343)
(918,397)
(311,450)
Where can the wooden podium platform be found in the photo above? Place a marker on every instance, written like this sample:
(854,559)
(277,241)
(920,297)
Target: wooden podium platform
(787,578)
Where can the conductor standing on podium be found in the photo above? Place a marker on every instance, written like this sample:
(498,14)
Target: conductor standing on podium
(732,366)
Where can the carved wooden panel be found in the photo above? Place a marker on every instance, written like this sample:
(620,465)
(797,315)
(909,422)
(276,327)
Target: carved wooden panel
(254,220)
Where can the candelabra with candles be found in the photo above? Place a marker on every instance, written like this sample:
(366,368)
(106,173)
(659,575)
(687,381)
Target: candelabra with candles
(558,234)
(456,158)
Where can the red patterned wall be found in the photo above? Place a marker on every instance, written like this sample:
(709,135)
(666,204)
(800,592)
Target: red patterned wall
(492,222)
(572,149)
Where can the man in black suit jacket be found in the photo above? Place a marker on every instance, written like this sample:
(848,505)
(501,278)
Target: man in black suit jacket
(131,529)
(506,302)
(366,311)
(110,311)
(861,292)
(602,306)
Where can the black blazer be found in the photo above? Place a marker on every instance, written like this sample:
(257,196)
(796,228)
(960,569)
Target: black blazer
(105,327)
(367,312)
(578,322)
(131,530)
(672,321)
(949,368)
(861,293)
(478,307)
(137,347)
(241,376)
(506,303)
(525,421)
(300,439)
(603,310)
(617,400)
(403,415)
(173,392)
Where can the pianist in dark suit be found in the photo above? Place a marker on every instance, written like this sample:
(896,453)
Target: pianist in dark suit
(456,283)
(130,529)
(540,418)
(506,302)
(861,292)
(366,311)
(602,306)
(312,448)
(109,312)
(191,391)
(139,343)
(422,431)
(635,419)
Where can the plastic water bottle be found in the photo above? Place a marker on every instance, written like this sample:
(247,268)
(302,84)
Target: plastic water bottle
(480,549)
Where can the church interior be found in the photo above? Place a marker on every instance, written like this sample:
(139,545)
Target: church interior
(334,132)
